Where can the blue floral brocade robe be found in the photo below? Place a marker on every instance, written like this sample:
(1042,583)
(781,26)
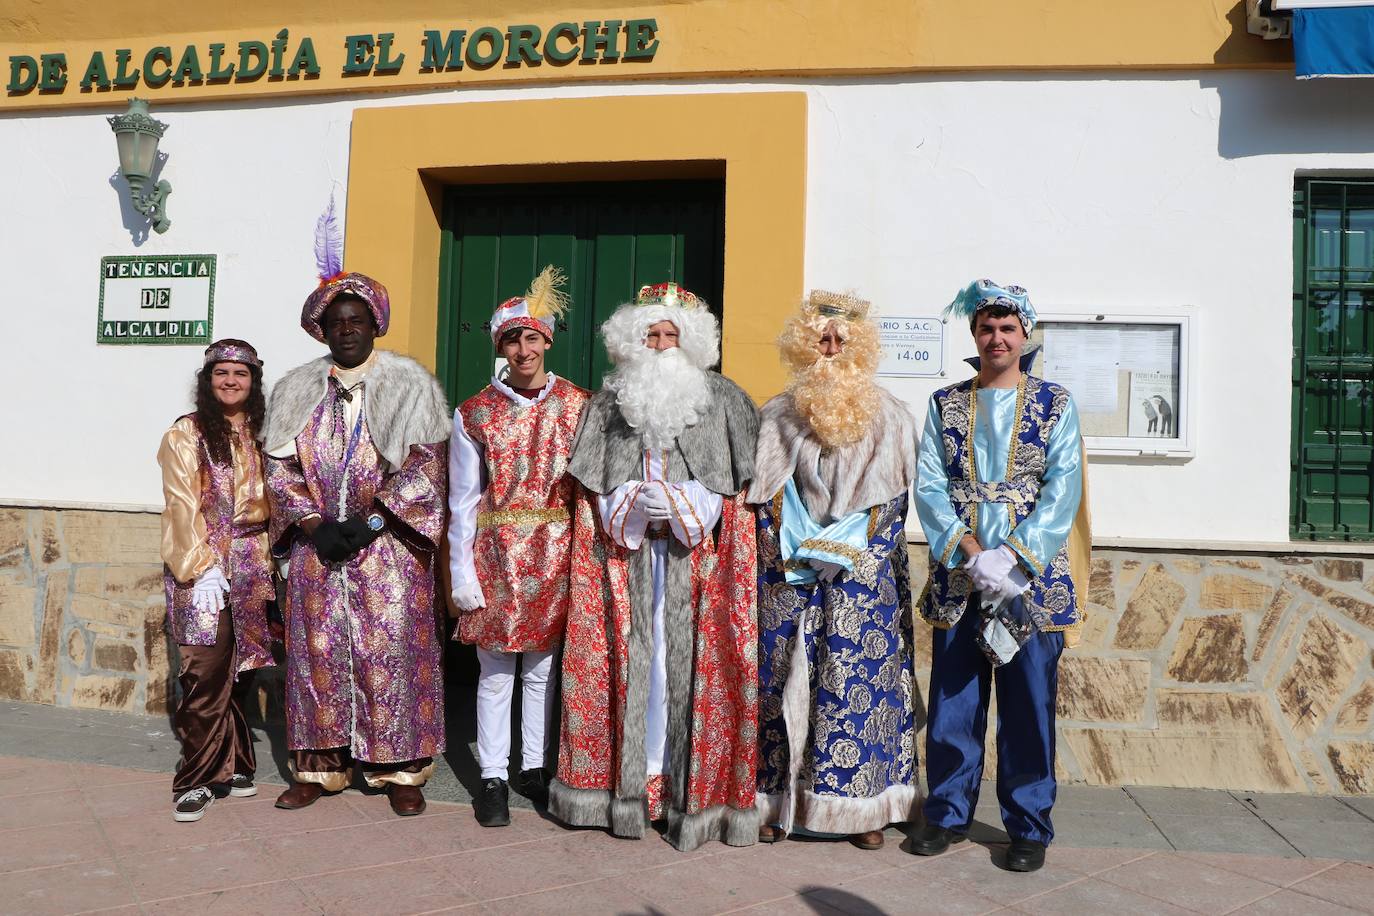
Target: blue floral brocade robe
(1005,464)
(836,688)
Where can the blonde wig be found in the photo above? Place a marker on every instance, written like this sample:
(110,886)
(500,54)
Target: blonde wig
(837,395)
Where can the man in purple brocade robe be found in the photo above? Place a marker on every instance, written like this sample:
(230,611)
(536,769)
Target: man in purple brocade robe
(357,446)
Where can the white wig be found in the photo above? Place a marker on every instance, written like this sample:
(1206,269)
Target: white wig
(698,332)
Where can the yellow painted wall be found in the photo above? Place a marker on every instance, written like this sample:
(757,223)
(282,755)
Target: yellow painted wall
(699,39)
(401,158)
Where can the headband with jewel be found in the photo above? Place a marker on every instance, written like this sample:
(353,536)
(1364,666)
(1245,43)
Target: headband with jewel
(669,294)
(224,351)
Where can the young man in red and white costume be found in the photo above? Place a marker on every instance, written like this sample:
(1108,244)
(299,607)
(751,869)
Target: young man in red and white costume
(512,514)
(660,668)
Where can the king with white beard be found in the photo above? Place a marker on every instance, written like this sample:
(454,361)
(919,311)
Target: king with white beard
(660,664)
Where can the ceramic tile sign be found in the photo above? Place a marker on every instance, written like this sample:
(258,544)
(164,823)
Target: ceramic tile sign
(156,299)
(912,347)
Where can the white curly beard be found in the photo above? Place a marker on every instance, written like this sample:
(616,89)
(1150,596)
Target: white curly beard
(660,393)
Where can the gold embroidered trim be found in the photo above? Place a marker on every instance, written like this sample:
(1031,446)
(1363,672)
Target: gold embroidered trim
(522,517)
(1025,553)
(1061,627)
(1016,422)
(835,547)
(953,546)
(970,452)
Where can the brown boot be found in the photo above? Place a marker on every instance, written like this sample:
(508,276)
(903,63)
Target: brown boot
(300,795)
(873,839)
(406,801)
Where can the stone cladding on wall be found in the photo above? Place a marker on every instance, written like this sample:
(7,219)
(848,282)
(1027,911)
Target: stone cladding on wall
(1224,671)
(1232,671)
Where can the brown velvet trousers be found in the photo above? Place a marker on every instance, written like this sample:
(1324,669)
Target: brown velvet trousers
(215,741)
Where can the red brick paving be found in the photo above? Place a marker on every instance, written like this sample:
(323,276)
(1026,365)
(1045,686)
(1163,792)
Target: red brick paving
(79,838)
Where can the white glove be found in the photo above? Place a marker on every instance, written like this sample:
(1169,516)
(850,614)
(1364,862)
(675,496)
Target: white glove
(990,568)
(209,591)
(1014,584)
(468,596)
(825,570)
(654,502)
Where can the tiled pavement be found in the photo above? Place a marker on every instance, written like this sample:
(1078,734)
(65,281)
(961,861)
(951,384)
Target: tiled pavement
(77,836)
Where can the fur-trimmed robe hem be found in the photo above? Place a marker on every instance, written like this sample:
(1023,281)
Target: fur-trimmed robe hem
(629,818)
(841,815)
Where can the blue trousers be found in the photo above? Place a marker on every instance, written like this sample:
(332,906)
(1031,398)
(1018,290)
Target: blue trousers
(960,680)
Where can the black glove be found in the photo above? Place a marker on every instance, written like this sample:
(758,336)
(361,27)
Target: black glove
(330,542)
(357,535)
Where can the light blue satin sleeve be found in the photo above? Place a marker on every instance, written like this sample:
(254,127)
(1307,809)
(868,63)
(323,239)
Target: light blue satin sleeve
(933,507)
(1041,535)
(800,537)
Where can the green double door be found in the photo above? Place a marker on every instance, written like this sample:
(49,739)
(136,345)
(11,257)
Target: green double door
(610,238)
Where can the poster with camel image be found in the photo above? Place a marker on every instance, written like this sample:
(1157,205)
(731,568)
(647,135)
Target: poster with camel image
(1153,405)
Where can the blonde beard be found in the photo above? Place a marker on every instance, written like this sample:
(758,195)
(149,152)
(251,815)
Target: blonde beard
(660,393)
(837,399)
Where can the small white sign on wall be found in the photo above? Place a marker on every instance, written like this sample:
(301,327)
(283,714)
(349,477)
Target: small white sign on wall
(156,299)
(913,347)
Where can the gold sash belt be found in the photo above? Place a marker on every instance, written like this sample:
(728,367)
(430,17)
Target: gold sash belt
(522,517)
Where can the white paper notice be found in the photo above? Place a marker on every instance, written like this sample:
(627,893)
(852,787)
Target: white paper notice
(1084,359)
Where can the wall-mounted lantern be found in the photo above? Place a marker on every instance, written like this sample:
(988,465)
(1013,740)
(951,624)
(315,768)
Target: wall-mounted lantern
(137,133)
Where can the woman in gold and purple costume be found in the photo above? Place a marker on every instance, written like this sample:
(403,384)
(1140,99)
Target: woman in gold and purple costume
(218,574)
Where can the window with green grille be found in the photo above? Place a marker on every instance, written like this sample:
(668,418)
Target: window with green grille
(1332,457)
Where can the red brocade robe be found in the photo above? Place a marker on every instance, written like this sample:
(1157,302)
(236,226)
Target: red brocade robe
(711,632)
(517,538)
(363,647)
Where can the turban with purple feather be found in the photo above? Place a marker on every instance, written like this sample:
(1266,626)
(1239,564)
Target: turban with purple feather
(334,282)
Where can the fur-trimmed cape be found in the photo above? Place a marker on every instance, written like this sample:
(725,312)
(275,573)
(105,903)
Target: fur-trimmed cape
(718,452)
(404,405)
(835,482)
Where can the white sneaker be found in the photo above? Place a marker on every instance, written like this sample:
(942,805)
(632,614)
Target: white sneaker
(190,806)
(241,786)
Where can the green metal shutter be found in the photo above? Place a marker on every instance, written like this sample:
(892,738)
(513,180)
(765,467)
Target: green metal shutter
(610,238)
(1332,457)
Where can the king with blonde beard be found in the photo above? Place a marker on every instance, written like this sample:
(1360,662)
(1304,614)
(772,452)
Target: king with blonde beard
(835,461)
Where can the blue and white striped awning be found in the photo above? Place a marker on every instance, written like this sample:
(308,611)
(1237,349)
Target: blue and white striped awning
(1331,38)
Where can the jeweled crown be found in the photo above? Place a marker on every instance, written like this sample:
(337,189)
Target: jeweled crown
(838,305)
(669,294)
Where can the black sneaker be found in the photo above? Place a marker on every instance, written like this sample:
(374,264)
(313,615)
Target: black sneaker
(534,785)
(190,806)
(241,786)
(491,805)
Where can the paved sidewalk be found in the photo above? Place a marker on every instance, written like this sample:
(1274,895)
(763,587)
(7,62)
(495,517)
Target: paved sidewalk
(85,826)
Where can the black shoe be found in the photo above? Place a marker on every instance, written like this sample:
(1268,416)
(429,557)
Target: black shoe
(492,804)
(241,786)
(189,807)
(1025,855)
(933,840)
(534,785)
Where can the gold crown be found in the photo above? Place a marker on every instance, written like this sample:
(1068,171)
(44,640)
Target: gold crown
(838,305)
(669,294)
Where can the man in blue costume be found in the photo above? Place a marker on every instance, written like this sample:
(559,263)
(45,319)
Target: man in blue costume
(1000,486)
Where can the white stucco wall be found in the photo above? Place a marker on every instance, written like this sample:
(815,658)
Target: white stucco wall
(1123,192)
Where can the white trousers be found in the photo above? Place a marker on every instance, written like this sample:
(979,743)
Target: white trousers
(656,715)
(495,689)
